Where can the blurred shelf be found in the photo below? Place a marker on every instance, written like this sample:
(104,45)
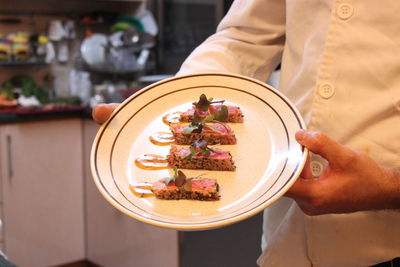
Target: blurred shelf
(24,63)
(18,114)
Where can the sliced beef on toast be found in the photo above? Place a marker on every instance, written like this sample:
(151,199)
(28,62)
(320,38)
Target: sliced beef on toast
(213,133)
(200,189)
(235,114)
(218,159)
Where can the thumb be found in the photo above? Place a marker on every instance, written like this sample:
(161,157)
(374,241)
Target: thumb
(102,112)
(320,143)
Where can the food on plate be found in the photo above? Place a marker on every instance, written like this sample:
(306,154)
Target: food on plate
(200,156)
(200,189)
(209,109)
(181,187)
(235,114)
(213,133)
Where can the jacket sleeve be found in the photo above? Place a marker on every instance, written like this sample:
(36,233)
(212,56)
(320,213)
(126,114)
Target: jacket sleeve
(249,41)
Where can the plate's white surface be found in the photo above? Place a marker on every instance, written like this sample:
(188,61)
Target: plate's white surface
(267,156)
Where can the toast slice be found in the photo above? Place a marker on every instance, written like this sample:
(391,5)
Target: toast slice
(185,158)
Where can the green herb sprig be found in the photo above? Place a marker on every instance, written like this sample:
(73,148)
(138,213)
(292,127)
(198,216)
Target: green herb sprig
(199,146)
(198,122)
(196,126)
(204,104)
(180,180)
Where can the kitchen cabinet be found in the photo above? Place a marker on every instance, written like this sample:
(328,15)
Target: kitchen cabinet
(51,210)
(116,240)
(42,192)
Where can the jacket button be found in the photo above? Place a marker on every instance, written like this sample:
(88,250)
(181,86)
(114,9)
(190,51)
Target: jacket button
(345,11)
(326,90)
(316,168)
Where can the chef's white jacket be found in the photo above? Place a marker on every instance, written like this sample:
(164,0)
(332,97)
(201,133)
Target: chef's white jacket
(341,68)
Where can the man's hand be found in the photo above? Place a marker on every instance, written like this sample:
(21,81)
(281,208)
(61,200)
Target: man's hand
(351,182)
(102,112)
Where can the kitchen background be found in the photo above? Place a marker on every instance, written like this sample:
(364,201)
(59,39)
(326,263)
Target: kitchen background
(58,59)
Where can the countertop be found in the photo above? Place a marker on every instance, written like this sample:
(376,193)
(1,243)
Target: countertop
(13,115)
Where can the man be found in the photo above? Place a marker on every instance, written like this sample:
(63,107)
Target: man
(340,67)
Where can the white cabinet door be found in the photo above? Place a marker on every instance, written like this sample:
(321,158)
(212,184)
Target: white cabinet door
(116,240)
(42,192)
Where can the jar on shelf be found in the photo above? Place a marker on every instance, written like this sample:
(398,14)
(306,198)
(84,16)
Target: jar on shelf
(5,50)
(20,46)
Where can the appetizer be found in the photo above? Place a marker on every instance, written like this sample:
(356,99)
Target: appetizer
(180,187)
(200,156)
(207,108)
(213,131)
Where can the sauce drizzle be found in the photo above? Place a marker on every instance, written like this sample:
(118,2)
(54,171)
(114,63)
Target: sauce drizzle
(172,118)
(142,189)
(152,162)
(162,138)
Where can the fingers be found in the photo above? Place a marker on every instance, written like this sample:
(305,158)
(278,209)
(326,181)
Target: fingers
(307,194)
(319,143)
(102,112)
(301,189)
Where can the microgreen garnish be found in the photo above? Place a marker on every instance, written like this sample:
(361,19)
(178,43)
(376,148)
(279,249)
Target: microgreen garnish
(198,122)
(179,177)
(204,104)
(221,114)
(193,129)
(180,180)
(209,118)
(175,172)
(196,126)
(199,146)
(197,119)
(200,143)
(187,186)
(205,151)
(167,180)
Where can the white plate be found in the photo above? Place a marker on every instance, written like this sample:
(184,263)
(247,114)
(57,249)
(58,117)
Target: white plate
(93,49)
(267,156)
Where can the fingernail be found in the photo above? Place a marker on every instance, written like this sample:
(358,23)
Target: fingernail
(300,135)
